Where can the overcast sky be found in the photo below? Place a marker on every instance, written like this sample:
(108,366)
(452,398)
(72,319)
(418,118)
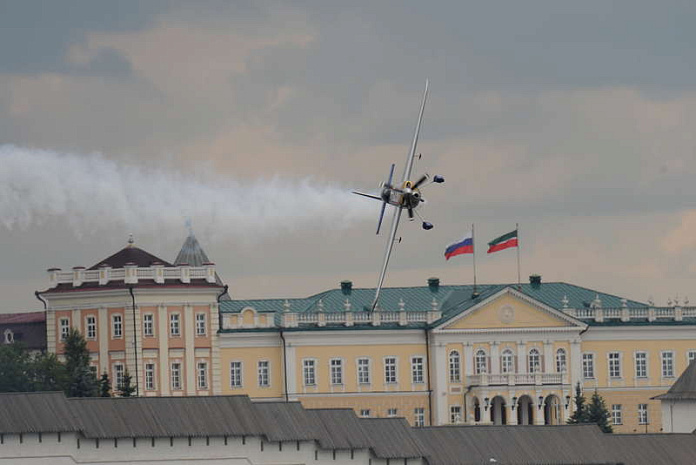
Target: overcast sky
(574,119)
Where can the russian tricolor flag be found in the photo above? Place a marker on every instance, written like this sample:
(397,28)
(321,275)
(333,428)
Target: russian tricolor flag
(464,246)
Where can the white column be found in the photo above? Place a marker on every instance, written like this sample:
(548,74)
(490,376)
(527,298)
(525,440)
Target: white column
(495,357)
(521,357)
(189,356)
(291,363)
(468,360)
(575,363)
(548,357)
(163,336)
(538,412)
(103,332)
(77,321)
(439,377)
(215,369)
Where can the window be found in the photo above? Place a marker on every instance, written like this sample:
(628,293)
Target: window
(561,361)
(363,371)
(690,356)
(455,367)
(455,414)
(588,366)
(641,365)
(667,364)
(614,365)
(91,321)
(236,374)
(64,328)
(417,370)
(507,361)
(390,370)
(174,325)
(419,416)
(642,414)
(150,376)
(480,362)
(392,412)
(117,325)
(336,366)
(309,372)
(176,375)
(202,375)
(9,336)
(118,376)
(200,324)
(148,325)
(365,413)
(616,416)
(534,361)
(264,373)
(93,370)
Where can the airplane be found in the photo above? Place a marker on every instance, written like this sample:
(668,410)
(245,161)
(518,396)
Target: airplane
(406,196)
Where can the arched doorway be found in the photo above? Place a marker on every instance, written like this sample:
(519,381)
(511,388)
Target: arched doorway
(525,410)
(498,411)
(477,410)
(552,410)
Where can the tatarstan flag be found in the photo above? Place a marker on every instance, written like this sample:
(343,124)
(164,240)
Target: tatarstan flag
(503,242)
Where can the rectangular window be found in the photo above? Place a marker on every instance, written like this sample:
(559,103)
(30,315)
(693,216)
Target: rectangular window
(690,356)
(236,374)
(148,325)
(174,325)
(419,416)
(392,412)
(176,376)
(264,373)
(93,370)
(417,370)
(454,367)
(588,366)
(117,326)
(641,365)
(309,372)
(642,414)
(363,371)
(365,413)
(118,376)
(667,364)
(336,371)
(200,324)
(64,328)
(150,376)
(616,414)
(390,370)
(91,327)
(614,365)
(202,375)
(455,414)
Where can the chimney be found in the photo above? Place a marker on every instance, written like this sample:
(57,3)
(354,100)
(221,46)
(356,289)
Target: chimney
(535,281)
(346,287)
(434,284)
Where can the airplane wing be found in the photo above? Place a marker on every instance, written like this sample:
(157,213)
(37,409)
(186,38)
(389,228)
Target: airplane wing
(388,251)
(412,153)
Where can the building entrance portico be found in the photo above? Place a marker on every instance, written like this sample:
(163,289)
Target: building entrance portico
(525,410)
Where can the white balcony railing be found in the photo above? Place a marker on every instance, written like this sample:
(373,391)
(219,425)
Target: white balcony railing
(131,274)
(625,314)
(513,379)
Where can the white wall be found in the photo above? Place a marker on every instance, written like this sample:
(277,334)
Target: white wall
(678,416)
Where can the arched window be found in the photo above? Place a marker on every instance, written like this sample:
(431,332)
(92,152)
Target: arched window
(507,361)
(480,362)
(534,361)
(561,360)
(9,336)
(455,367)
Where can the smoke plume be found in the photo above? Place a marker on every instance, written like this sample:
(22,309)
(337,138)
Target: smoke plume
(92,193)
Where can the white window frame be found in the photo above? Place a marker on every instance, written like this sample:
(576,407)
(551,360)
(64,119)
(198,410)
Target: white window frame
(9,336)
(202,374)
(336,371)
(507,361)
(201,325)
(309,372)
(417,369)
(175,324)
(690,356)
(364,371)
(534,360)
(365,413)
(391,370)
(455,414)
(63,327)
(616,414)
(148,325)
(263,370)
(455,366)
(117,326)
(664,356)
(119,375)
(614,365)
(236,374)
(392,412)
(637,362)
(91,328)
(643,418)
(588,365)
(561,360)
(150,371)
(175,376)
(419,417)
(480,362)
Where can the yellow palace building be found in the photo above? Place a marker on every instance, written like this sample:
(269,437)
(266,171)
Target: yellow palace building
(434,354)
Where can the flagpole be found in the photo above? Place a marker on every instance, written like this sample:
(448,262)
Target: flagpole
(473,243)
(519,279)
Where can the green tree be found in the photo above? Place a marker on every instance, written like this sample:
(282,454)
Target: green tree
(104,385)
(597,413)
(15,368)
(580,413)
(48,373)
(127,388)
(82,382)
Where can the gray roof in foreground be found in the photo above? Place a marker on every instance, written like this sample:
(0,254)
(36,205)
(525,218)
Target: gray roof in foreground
(684,388)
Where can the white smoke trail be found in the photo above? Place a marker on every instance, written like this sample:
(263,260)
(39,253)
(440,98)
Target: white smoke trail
(93,194)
